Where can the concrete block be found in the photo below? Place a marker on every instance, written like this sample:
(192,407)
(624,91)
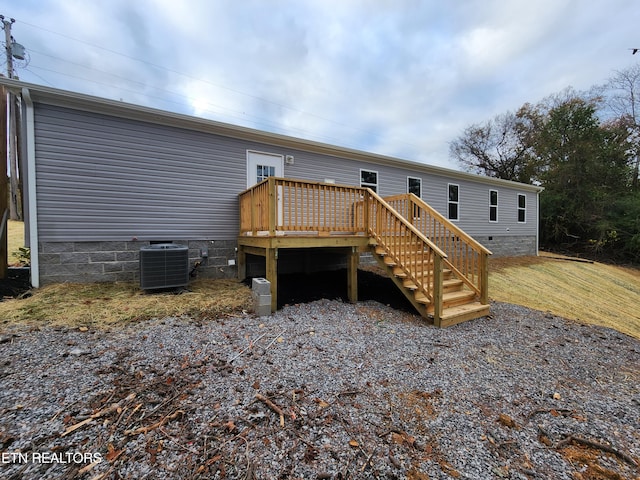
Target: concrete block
(261,299)
(263,310)
(261,286)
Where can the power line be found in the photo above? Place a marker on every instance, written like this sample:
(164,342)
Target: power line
(244,117)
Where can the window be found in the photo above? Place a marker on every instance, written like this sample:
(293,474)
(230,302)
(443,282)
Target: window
(414,185)
(493,205)
(369,179)
(522,208)
(453,201)
(264,171)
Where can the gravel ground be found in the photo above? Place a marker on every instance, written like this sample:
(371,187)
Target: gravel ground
(323,390)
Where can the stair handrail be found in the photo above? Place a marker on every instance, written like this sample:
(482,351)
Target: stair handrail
(479,282)
(436,295)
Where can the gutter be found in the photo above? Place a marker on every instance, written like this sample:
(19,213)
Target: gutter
(32,207)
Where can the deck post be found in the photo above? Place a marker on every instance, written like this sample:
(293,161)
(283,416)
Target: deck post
(437,290)
(273,206)
(484,278)
(271,260)
(353,258)
(242,263)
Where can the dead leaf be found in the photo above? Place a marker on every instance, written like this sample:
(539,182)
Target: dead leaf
(507,421)
(256,385)
(354,443)
(112,453)
(403,439)
(321,403)
(414,474)
(230,426)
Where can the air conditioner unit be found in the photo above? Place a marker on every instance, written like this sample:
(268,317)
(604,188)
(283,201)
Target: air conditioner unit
(164,265)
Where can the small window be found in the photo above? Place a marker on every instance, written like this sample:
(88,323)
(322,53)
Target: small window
(522,208)
(493,205)
(414,185)
(369,179)
(453,202)
(264,171)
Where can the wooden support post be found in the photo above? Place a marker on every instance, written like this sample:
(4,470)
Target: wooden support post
(353,258)
(272,275)
(438,286)
(273,206)
(484,278)
(242,263)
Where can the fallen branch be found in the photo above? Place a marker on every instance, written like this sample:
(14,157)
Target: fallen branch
(176,442)
(251,343)
(274,341)
(572,259)
(140,430)
(272,406)
(561,411)
(105,411)
(600,446)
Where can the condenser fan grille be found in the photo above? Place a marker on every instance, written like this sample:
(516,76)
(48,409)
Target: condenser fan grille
(164,265)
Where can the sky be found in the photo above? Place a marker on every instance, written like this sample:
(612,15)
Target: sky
(401,78)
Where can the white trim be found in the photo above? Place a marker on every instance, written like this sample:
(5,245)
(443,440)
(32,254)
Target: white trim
(276,156)
(456,202)
(538,224)
(523,209)
(31,189)
(414,178)
(367,185)
(496,205)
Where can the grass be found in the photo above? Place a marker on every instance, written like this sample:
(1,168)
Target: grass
(108,304)
(15,240)
(593,293)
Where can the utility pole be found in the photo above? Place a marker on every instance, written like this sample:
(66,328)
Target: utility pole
(14,212)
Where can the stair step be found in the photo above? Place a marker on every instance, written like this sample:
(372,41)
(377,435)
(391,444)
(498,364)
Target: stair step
(398,272)
(421,298)
(452,299)
(462,313)
(389,262)
(449,285)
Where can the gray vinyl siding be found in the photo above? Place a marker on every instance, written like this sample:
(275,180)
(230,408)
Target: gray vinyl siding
(106,178)
(473,196)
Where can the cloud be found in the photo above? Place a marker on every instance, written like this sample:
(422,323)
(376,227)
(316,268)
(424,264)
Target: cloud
(398,77)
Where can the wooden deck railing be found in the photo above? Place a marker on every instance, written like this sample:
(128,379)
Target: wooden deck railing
(467,257)
(420,259)
(417,238)
(278,205)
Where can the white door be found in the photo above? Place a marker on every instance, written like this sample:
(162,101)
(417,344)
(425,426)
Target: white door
(262,165)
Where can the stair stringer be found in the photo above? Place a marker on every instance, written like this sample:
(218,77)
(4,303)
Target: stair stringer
(409,294)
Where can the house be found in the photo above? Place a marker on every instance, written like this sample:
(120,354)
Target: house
(104,178)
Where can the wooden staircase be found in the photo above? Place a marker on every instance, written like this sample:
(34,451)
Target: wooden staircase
(459,303)
(439,268)
(448,287)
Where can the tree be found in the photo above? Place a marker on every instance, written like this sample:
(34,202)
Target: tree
(623,98)
(586,172)
(500,148)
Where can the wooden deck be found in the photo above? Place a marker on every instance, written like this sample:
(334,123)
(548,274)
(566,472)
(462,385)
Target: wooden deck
(440,269)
